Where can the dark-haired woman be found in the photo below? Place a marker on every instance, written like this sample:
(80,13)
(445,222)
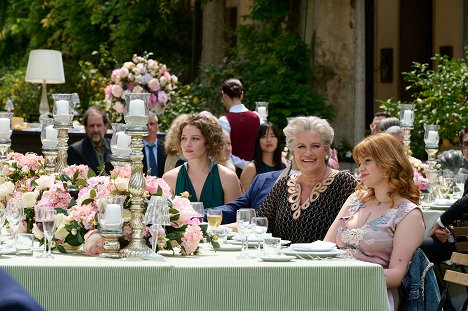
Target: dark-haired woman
(240,123)
(267,155)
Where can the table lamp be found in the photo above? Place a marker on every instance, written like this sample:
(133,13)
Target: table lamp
(45,66)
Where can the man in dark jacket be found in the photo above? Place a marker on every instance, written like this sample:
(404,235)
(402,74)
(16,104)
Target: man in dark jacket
(93,150)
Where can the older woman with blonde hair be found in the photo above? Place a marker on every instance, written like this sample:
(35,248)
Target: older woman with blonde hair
(381,222)
(171,144)
(201,141)
(301,207)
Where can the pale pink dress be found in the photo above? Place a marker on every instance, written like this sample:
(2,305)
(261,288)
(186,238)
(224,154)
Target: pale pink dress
(373,242)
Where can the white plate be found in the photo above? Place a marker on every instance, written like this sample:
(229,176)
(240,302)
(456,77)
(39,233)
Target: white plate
(300,254)
(229,248)
(277,258)
(8,249)
(317,246)
(255,243)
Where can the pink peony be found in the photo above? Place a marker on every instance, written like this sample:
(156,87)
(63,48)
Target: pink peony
(93,244)
(162,97)
(108,91)
(119,107)
(82,171)
(153,183)
(117,91)
(186,212)
(124,172)
(153,85)
(191,239)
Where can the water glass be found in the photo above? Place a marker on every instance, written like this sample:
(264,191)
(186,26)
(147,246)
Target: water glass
(244,227)
(221,233)
(260,227)
(24,244)
(14,214)
(271,246)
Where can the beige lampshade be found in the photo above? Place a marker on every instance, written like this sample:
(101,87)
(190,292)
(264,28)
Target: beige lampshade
(45,66)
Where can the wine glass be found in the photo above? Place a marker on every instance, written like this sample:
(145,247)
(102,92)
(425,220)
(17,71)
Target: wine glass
(260,227)
(244,217)
(460,182)
(45,222)
(14,215)
(157,215)
(2,221)
(215,217)
(199,210)
(432,176)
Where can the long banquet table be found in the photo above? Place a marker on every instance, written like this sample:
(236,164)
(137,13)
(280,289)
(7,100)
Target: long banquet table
(211,281)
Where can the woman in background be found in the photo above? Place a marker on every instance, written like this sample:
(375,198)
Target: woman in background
(201,142)
(267,155)
(381,222)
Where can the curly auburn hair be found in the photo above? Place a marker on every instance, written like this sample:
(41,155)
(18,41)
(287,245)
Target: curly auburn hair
(171,143)
(388,152)
(211,131)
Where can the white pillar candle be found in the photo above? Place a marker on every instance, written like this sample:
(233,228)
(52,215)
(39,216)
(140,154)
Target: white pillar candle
(51,133)
(113,214)
(63,107)
(123,140)
(407,117)
(4,125)
(262,111)
(432,137)
(136,108)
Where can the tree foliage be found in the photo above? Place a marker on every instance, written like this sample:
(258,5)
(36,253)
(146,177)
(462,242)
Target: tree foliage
(440,97)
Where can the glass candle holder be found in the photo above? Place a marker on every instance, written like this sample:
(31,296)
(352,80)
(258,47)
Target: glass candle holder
(431,136)
(110,213)
(120,142)
(49,134)
(63,108)
(262,109)
(5,126)
(407,115)
(136,109)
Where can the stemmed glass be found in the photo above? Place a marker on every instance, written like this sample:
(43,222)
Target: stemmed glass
(244,227)
(215,217)
(2,221)
(432,176)
(199,210)
(45,221)
(157,215)
(260,227)
(14,215)
(446,182)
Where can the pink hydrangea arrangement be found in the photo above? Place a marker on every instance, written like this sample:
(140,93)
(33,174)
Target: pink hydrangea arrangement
(141,75)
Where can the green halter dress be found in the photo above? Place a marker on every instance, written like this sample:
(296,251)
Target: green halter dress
(212,193)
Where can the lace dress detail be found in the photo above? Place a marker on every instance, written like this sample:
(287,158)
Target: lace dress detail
(294,190)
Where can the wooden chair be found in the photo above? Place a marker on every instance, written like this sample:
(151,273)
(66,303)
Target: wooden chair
(460,234)
(457,275)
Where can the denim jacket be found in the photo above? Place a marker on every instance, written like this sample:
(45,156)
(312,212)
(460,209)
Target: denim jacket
(419,291)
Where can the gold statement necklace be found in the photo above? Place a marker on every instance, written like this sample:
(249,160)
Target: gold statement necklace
(294,190)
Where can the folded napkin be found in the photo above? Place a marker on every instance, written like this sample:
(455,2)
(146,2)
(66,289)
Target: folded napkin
(317,246)
(444,202)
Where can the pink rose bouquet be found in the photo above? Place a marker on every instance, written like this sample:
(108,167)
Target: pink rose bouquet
(93,243)
(141,75)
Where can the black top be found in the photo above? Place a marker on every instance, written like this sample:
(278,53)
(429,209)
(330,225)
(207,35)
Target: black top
(314,221)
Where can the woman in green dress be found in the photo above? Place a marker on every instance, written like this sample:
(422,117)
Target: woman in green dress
(201,142)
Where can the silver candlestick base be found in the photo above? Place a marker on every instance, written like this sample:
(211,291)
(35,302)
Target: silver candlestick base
(136,186)
(407,139)
(431,153)
(5,144)
(50,156)
(111,247)
(62,146)
(120,160)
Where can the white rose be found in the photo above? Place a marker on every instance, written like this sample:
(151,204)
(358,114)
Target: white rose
(61,233)
(7,189)
(121,184)
(174,79)
(60,219)
(45,182)
(162,81)
(37,233)
(29,199)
